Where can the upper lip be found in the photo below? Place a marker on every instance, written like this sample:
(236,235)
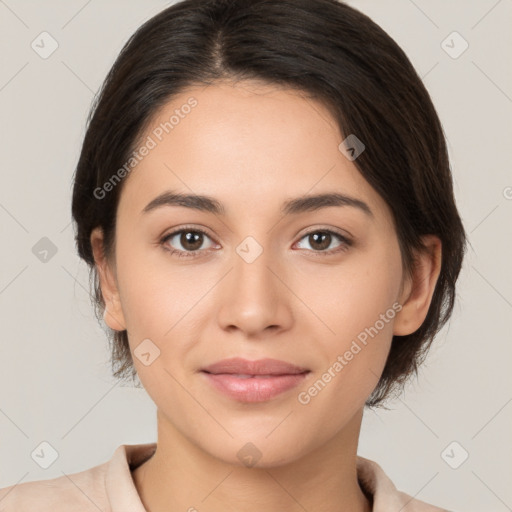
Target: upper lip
(240,366)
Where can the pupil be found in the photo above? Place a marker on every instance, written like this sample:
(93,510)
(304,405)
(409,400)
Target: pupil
(189,240)
(325,237)
(193,240)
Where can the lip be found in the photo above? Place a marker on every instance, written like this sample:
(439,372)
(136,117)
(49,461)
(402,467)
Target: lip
(238,365)
(253,381)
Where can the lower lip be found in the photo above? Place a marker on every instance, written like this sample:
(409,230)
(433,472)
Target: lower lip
(254,389)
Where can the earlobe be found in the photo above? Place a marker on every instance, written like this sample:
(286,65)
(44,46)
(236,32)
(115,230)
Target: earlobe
(113,315)
(417,294)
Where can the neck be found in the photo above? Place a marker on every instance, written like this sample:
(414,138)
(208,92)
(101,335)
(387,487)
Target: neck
(182,476)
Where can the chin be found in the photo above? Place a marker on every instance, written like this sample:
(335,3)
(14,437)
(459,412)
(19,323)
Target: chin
(254,451)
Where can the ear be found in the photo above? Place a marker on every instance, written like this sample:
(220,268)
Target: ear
(113,315)
(417,292)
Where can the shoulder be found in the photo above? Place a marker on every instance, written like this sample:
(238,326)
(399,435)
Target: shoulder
(386,497)
(80,492)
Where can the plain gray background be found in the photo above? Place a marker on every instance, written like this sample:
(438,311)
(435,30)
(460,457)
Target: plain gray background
(54,380)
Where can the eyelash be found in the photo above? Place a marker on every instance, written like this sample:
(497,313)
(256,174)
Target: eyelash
(345,242)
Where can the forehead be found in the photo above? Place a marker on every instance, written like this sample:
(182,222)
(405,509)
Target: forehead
(250,145)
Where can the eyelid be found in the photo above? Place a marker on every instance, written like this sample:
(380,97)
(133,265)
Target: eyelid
(186,227)
(193,229)
(341,233)
(346,240)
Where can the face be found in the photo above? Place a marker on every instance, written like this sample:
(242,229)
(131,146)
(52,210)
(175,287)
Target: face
(315,285)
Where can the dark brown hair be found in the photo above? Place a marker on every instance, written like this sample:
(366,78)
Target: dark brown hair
(328,50)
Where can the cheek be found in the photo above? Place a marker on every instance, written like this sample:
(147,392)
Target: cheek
(164,303)
(359,306)
(353,358)
(155,304)
(353,296)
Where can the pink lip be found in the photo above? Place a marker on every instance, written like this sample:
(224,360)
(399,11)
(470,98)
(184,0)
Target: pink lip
(269,378)
(238,365)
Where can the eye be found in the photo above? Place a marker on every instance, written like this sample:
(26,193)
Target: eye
(191,241)
(321,239)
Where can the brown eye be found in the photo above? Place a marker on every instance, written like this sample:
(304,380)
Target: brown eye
(191,240)
(320,240)
(185,242)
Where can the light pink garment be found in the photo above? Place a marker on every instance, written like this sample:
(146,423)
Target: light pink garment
(109,487)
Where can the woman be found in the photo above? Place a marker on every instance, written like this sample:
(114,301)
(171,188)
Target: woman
(265,201)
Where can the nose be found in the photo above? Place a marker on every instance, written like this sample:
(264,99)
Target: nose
(254,297)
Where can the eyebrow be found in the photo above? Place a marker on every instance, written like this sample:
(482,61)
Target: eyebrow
(306,203)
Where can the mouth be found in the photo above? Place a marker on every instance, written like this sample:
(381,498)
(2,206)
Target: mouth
(253,381)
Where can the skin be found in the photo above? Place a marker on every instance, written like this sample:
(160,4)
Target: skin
(252,146)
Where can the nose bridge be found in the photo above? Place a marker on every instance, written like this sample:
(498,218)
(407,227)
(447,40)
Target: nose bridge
(254,298)
(252,275)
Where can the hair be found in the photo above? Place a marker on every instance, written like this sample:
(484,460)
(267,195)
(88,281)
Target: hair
(331,52)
